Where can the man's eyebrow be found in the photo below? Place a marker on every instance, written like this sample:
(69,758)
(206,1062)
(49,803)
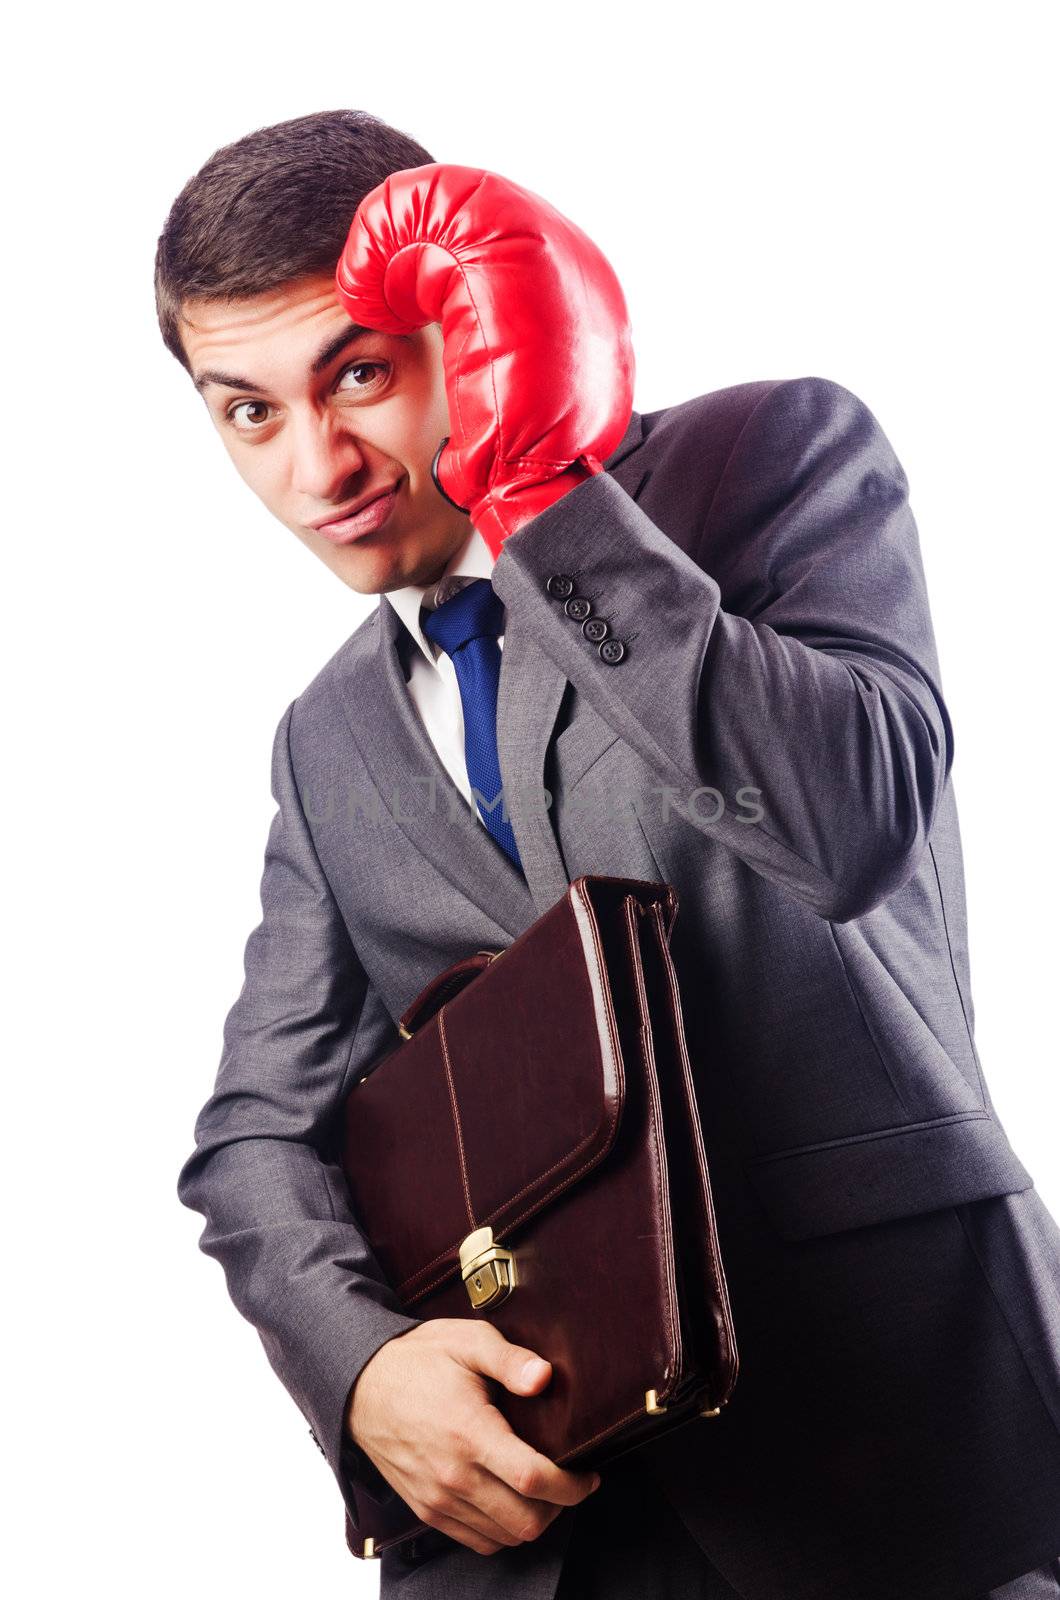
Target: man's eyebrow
(323,358)
(335,346)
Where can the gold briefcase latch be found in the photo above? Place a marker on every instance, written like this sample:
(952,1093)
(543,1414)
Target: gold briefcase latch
(487,1269)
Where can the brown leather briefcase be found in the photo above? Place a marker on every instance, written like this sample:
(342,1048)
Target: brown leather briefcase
(532,1153)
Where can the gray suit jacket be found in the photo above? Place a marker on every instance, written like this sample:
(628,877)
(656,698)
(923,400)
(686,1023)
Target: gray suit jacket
(773,741)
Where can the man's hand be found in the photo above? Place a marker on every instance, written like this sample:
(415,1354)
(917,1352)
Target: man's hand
(420,1409)
(536,340)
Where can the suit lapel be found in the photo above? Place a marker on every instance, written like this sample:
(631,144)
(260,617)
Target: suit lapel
(397,749)
(433,813)
(528,702)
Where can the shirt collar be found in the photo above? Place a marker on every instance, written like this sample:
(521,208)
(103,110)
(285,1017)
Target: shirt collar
(474,559)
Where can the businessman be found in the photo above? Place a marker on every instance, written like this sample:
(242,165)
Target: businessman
(691,646)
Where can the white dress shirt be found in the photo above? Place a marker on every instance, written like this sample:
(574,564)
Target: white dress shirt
(432,680)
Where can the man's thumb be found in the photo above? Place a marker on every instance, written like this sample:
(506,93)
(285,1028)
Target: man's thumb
(521,1370)
(527,1372)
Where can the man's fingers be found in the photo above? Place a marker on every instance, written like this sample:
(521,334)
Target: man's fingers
(463,1534)
(489,1509)
(495,1513)
(510,1516)
(531,1474)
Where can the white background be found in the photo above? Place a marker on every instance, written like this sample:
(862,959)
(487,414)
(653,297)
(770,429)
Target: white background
(859,193)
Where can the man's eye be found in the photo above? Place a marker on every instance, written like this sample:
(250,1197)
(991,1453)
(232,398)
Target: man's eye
(250,421)
(377,367)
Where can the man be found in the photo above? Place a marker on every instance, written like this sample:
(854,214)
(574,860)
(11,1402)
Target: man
(771,739)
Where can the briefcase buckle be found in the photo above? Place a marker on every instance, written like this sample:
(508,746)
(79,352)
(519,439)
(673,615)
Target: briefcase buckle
(488,1270)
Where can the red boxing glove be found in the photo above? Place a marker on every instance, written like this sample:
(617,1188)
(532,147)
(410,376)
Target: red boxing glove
(537,354)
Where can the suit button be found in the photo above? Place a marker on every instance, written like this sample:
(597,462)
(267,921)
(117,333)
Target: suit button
(612,650)
(578,607)
(560,585)
(596,629)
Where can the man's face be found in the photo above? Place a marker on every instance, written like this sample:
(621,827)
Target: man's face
(319,420)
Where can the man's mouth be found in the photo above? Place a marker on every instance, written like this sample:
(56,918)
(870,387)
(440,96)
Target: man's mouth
(348,526)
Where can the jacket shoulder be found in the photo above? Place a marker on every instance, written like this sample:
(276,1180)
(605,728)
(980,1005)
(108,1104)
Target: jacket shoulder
(721,414)
(763,427)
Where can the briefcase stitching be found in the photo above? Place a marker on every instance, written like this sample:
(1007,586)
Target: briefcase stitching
(457,1124)
(657,1143)
(721,1295)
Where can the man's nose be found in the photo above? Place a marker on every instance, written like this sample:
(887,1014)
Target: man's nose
(324,459)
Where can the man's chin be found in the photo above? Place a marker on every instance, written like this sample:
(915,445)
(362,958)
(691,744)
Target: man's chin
(366,576)
(378,562)
(377,570)
(367,565)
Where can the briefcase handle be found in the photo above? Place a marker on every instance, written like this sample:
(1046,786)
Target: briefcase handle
(443,988)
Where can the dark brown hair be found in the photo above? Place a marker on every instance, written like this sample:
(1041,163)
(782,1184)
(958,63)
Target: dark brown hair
(274,206)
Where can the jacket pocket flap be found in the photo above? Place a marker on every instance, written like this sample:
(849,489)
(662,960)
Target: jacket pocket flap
(888,1173)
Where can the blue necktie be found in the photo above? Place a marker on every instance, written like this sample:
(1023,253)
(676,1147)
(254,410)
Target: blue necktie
(466,627)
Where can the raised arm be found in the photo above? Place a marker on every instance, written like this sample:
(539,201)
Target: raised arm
(792,660)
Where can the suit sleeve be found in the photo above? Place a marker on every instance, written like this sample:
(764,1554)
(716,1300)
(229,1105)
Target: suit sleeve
(263,1171)
(785,671)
